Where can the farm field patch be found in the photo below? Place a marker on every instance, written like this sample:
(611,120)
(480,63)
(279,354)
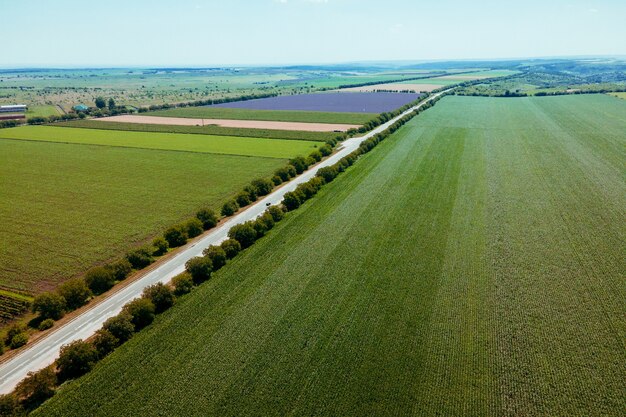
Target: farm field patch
(619,95)
(200,130)
(470,265)
(273,115)
(42,111)
(66,207)
(229,123)
(230,145)
(395,87)
(328,102)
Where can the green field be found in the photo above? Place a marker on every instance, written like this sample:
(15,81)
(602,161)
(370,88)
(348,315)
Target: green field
(66,207)
(202,130)
(42,111)
(274,115)
(470,265)
(229,145)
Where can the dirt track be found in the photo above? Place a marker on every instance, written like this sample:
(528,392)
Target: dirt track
(249,124)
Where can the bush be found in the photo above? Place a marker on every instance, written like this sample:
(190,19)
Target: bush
(45,324)
(161,296)
(18,340)
(105,342)
(76,359)
(266,220)
(194,227)
(183,284)
(120,326)
(244,233)
(10,406)
(141,311)
(283,174)
(277,180)
(299,163)
(208,218)
(200,269)
(229,208)
(326,150)
(36,388)
(243,199)
(316,155)
(160,246)
(328,173)
(140,257)
(231,248)
(75,292)
(176,235)
(251,190)
(276,212)
(49,305)
(217,256)
(292,200)
(99,279)
(262,186)
(122,268)
(13,331)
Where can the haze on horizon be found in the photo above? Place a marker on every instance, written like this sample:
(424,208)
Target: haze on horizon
(71,33)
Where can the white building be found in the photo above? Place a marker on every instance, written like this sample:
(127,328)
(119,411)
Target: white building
(13,108)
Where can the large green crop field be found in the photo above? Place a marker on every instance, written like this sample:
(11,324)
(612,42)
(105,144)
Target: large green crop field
(66,207)
(274,115)
(471,265)
(230,145)
(201,130)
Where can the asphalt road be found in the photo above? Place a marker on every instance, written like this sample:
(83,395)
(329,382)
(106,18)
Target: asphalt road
(43,352)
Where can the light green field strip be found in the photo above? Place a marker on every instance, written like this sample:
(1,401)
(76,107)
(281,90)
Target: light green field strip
(42,111)
(228,145)
(66,207)
(468,266)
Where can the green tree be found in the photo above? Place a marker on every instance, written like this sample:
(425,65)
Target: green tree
(100,102)
(76,359)
(112,104)
(183,284)
(208,218)
(45,325)
(122,268)
(49,305)
(300,164)
(161,296)
(231,248)
(142,311)
(105,342)
(120,326)
(217,256)
(176,235)
(292,200)
(276,212)
(200,269)
(243,199)
(194,227)
(140,257)
(160,246)
(36,388)
(229,208)
(262,186)
(10,406)
(18,340)
(75,292)
(99,279)
(243,233)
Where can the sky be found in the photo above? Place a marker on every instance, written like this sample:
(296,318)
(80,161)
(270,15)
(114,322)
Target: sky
(118,33)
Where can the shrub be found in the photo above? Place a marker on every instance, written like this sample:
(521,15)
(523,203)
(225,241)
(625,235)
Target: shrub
(243,233)
(183,284)
(229,208)
(299,163)
(266,220)
(316,155)
(13,331)
(231,248)
(283,174)
(140,257)
(161,296)
(207,217)
(18,340)
(105,342)
(10,406)
(326,150)
(328,173)
(251,190)
(277,180)
(122,268)
(75,292)
(194,227)
(276,212)
(243,199)
(160,246)
(262,186)
(76,359)
(176,235)
(45,324)
(217,256)
(141,311)
(99,279)
(292,200)
(49,305)
(36,388)
(200,269)
(120,326)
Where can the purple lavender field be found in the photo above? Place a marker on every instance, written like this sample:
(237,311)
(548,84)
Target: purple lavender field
(329,102)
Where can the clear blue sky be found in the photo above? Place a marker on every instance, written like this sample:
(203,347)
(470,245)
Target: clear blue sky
(66,33)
